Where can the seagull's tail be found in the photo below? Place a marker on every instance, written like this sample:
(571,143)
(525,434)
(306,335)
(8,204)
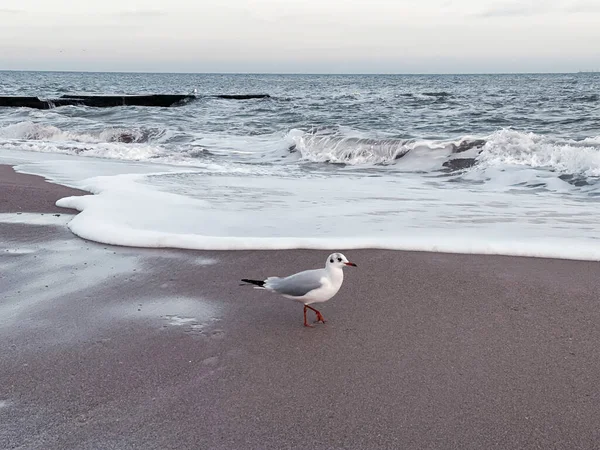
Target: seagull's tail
(258,283)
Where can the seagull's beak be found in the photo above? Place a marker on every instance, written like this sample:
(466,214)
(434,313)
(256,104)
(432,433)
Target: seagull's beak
(351,264)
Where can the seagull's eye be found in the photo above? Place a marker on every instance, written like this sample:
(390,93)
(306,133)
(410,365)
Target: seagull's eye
(331,260)
(340,259)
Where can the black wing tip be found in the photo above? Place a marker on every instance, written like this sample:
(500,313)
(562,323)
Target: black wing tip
(256,282)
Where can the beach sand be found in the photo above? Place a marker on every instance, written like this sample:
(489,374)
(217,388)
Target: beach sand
(29,193)
(121,348)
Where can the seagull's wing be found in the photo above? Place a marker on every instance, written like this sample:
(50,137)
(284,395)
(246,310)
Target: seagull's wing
(297,285)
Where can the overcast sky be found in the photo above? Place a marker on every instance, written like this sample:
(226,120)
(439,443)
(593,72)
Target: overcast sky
(302,36)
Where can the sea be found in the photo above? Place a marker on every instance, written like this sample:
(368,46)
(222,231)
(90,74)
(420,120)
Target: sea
(489,164)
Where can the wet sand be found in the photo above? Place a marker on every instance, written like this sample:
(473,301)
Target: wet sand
(121,348)
(29,193)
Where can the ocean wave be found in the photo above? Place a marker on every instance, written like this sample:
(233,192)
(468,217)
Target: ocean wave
(473,157)
(437,94)
(317,147)
(587,98)
(514,148)
(141,152)
(35,131)
(335,147)
(500,149)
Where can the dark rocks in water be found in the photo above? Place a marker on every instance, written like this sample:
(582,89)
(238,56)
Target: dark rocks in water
(22,102)
(109,101)
(98,101)
(459,164)
(292,148)
(467,145)
(242,96)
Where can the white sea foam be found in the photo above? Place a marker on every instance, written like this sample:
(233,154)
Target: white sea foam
(500,209)
(113,143)
(501,149)
(444,240)
(40,131)
(512,148)
(131,152)
(35,218)
(245,213)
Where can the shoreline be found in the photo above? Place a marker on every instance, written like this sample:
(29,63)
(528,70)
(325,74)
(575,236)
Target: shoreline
(124,347)
(26,193)
(21,192)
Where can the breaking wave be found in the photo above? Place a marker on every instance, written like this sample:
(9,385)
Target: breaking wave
(42,132)
(501,149)
(480,158)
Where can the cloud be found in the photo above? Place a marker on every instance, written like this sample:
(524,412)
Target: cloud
(515,9)
(11,11)
(584,6)
(141,13)
(539,7)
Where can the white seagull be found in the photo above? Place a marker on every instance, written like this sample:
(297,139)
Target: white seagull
(310,286)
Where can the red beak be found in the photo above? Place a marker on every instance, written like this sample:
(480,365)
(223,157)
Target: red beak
(351,264)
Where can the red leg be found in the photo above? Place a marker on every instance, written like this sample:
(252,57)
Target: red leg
(320,317)
(306,324)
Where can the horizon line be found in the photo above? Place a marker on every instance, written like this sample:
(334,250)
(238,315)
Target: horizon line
(144,72)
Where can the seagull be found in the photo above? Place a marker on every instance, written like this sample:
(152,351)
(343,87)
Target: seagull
(310,286)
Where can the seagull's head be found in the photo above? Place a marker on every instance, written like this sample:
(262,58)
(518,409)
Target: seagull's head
(338,260)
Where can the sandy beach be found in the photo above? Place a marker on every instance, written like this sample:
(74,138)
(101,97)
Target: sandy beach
(126,348)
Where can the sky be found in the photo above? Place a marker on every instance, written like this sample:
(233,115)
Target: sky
(301,36)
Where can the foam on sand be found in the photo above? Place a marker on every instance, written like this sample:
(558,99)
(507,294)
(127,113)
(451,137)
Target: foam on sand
(520,210)
(35,218)
(128,211)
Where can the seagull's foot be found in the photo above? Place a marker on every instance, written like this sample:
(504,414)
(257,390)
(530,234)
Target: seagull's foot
(320,318)
(306,324)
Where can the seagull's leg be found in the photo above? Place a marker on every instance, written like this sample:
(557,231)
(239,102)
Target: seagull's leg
(320,317)
(306,324)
